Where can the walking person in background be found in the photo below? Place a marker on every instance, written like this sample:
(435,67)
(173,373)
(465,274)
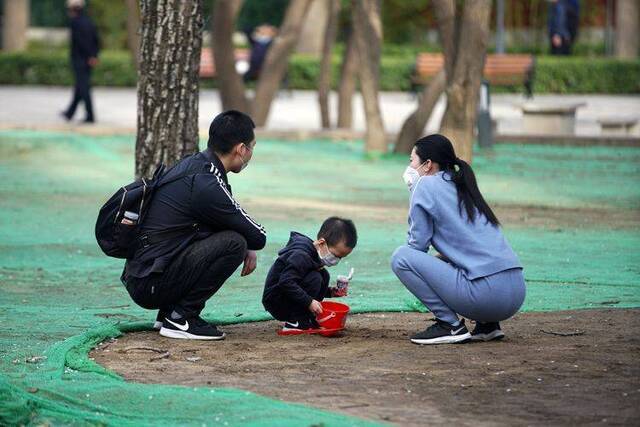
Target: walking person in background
(84,57)
(563,25)
(475,274)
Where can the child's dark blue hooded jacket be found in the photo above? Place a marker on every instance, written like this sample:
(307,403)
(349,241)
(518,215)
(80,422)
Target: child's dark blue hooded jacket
(294,262)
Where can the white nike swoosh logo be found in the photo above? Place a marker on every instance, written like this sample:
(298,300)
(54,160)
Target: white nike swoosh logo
(452,332)
(179,326)
(295,325)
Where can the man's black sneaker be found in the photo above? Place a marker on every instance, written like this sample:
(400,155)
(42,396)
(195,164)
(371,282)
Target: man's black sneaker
(442,333)
(157,325)
(299,326)
(487,332)
(190,328)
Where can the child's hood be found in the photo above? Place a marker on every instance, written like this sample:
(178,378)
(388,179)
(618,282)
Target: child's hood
(300,242)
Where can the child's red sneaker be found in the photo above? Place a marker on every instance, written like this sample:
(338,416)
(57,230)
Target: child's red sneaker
(300,326)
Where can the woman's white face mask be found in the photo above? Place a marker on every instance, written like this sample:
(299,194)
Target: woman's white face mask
(415,170)
(410,177)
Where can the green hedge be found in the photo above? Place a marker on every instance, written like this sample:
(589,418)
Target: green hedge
(553,74)
(53,68)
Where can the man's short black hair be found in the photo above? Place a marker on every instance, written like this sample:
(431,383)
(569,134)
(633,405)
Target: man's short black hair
(229,129)
(335,230)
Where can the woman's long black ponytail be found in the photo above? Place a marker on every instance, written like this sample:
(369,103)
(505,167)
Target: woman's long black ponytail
(439,149)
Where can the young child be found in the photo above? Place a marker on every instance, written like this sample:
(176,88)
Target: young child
(298,280)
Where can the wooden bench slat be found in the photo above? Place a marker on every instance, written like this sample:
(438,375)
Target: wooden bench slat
(498,68)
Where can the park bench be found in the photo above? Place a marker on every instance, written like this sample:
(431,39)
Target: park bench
(208,66)
(549,119)
(619,125)
(499,69)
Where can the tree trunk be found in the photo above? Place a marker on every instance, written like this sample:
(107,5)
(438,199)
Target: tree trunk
(312,35)
(627,29)
(463,83)
(347,86)
(133,31)
(168,82)
(15,24)
(324,82)
(413,127)
(275,64)
(445,12)
(368,34)
(230,84)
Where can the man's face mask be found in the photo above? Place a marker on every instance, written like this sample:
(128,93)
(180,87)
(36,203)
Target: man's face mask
(245,163)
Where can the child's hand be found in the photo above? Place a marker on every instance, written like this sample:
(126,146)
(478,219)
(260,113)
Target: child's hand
(337,293)
(315,307)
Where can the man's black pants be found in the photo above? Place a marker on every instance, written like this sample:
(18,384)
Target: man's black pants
(192,277)
(82,89)
(283,308)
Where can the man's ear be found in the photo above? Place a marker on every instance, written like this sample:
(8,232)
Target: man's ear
(320,241)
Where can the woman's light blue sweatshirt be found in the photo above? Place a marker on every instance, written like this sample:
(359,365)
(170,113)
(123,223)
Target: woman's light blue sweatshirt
(478,248)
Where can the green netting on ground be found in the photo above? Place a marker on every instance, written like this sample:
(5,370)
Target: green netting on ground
(59,295)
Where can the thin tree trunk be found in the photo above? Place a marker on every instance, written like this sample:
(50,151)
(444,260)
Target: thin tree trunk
(15,22)
(168,82)
(347,85)
(312,34)
(445,12)
(414,125)
(275,64)
(463,83)
(133,31)
(368,34)
(627,29)
(230,84)
(324,82)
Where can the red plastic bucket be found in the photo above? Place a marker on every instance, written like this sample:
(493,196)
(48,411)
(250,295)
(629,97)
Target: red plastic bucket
(333,316)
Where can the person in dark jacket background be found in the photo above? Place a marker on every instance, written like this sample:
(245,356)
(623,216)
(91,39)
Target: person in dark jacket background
(195,235)
(298,280)
(84,57)
(563,25)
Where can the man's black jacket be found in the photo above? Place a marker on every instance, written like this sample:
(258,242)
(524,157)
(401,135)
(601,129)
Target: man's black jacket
(84,39)
(294,262)
(196,205)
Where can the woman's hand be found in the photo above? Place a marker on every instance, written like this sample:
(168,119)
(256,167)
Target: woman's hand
(315,307)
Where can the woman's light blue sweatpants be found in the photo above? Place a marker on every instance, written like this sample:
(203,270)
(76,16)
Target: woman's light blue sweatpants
(447,292)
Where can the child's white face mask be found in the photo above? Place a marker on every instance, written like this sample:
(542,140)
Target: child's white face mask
(328,259)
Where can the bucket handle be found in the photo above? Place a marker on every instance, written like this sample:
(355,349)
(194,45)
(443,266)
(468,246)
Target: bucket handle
(330,316)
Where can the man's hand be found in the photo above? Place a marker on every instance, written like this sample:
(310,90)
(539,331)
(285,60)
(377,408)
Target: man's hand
(556,40)
(93,61)
(250,262)
(315,307)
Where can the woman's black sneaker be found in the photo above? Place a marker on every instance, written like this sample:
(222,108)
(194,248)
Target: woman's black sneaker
(487,332)
(190,328)
(442,333)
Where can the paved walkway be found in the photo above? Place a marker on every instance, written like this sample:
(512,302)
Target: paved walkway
(38,107)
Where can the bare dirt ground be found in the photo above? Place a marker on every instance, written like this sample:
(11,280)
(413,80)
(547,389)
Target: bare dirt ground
(560,368)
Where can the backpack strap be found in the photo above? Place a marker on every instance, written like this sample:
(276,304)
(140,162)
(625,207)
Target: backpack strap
(148,238)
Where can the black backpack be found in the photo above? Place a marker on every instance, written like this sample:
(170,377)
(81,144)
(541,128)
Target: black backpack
(118,239)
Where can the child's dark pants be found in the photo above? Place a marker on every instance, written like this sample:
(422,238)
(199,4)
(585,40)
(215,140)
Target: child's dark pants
(283,308)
